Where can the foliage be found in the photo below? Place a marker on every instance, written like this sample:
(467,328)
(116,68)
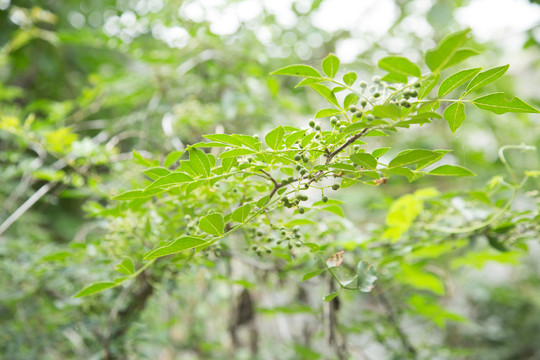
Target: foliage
(351,226)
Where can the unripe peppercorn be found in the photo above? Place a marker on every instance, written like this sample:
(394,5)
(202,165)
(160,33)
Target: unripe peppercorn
(268,251)
(358,114)
(298,167)
(335,186)
(356,147)
(259,252)
(297,157)
(318,127)
(254,247)
(413,93)
(418,84)
(342,128)
(301,210)
(363,103)
(285,199)
(259,233)
(325,199)
(298,244)
(363,84)
(256,136)
(377,94)
(299,197)
(370,117)
(333,120)
(303,172)
(405,103)
(296,228)
(290,179)
(284,182)
(311,123)
(305,159)
(352,108)
(376,79)
(290,246)
(283,232)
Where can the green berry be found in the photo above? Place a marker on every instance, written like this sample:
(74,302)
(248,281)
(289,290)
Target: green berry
(304,198)
(325,199)
(259,233)
(283,232)
(318,127)
(305,159)
(405,103)
(290,246)
(284,199)
(413,93)
(356,147)
(296,228)
(333,120)
(297,157)
(268,251)
(376,79)
(335,186)
(377,95)
(298,167)
(290,179)
(254,247)
(299,197)
(259,252)
(270,239)
(303,172)
(287,238)
(352,108)
(363,103)
(298,244)
(301,210)
(418,84)
(284,182)
(256,136)
(311,123)
(370,117)
(358,114)
(342,128)
(363,84)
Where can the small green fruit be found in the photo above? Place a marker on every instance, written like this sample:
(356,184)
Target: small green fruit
(297,157)
(303,172)
(363,103)
(260,233)
(325,199)
(376,79)
(290,179)
(305,159)
(311,123)
(333,120)
(377,95)
(370,117)
(352,108)
(336,186)
(363,84)
(358,114)
(301,210)
(318,127)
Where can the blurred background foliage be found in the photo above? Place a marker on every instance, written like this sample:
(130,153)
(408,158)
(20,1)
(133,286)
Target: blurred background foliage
(83,83)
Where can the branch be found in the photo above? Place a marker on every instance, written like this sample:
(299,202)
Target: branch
(411,350)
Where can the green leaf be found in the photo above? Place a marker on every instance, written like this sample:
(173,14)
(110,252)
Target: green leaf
(455,115)
(126,267)
(236,152)
(365,160)
(325,92)
(441,56)
(486,77)
(156,172)
(327,112)
(461,55)
(408,157)
(274,139)
(395,78)
(240,215)
(399,65)
(199,161)
(224,138)
(380,152)
(428,85)
(171,179)
(350,99)
(367,275)
(331,296)
(498,104)
(451,170)
(137,194)
(349,78)
(180,244)
(330,65)
(249,141)
(312,274)
(292,138)
(172,158)
(387,111)
(455,80)
(298,70)
(95,288)
(212,224)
